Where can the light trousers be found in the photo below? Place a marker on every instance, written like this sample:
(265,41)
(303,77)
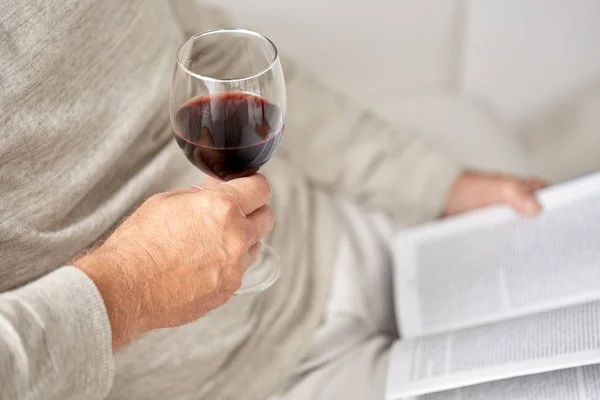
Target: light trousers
(349,355)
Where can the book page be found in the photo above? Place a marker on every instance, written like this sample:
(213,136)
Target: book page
(493,264)
(548,341)
(567,384)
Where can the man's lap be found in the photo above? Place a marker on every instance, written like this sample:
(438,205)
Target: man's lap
(348,356)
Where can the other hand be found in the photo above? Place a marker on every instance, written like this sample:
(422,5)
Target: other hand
(474,190)
(180,255)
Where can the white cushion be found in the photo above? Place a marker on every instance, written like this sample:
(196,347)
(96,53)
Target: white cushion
(522,56)
(460,127)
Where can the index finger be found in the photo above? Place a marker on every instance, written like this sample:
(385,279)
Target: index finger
(251,193)
(524,201)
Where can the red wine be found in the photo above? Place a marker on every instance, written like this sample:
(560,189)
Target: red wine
(229,135)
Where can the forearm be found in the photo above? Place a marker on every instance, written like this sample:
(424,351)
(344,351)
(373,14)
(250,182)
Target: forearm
(55,339)
(346,148)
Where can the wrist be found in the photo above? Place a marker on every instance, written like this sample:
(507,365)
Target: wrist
(124,315)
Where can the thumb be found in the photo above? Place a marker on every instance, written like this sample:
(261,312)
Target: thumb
(207,183)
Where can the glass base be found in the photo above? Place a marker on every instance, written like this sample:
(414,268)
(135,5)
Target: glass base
(262,274)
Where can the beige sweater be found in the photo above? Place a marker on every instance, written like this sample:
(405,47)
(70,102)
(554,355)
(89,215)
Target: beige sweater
(84,137)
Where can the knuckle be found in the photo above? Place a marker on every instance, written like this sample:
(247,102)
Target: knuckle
(213,279)
(225,207)
(270,215)
(254,252)
(233,277)
(234,285)
(239,243)
(265,223)
(264,186)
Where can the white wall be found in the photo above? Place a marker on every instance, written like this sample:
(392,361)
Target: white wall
(466,74)
(516,55)
(522,56)
(375,46)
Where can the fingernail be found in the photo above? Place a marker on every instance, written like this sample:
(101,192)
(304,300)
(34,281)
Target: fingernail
(531,207)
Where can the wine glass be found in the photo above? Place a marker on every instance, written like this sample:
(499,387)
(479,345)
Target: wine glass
(228,108)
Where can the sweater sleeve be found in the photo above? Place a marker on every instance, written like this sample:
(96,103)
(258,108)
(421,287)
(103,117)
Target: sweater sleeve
(343,147)
(55,340)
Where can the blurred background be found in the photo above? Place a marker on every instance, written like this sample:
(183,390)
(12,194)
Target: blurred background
(508,85)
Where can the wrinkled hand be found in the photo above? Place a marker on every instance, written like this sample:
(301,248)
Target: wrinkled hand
(473,190)
(180,255)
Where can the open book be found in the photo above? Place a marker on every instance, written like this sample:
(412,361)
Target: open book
(492,305)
